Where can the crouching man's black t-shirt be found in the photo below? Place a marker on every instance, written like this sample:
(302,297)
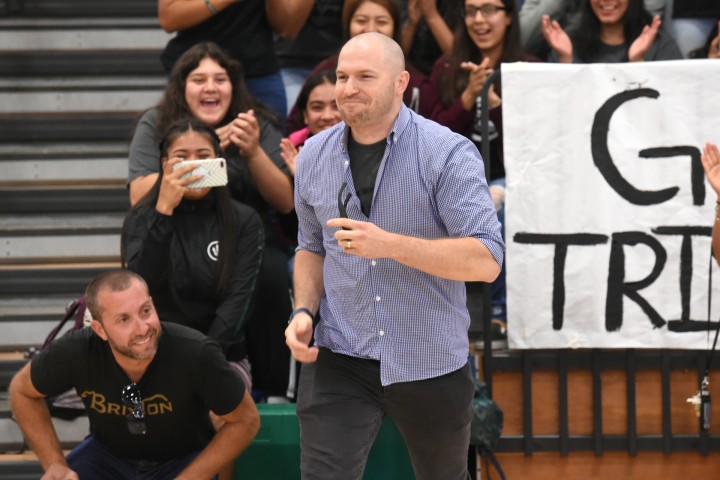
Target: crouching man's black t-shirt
(188,377)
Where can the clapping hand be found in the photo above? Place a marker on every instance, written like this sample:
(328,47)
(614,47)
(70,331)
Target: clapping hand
(711,164)
(245,133)
(289,154)
(414,14)
(223,134)
(428,7)
(644,41)
(477,76)
(557,39)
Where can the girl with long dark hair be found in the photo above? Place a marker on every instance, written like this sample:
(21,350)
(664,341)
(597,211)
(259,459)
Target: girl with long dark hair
(208,85)
(610,32)
(489,36)
(316,109)
(199,251)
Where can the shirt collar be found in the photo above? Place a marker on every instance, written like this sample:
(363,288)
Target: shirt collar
(401,123)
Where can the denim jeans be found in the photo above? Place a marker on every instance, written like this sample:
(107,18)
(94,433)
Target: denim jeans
(293,80)
(341,406)
(93,461)
(270,90)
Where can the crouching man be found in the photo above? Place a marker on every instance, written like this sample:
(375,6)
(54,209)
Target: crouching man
(148,388)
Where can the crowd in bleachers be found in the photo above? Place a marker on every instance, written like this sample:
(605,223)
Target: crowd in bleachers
(261,73)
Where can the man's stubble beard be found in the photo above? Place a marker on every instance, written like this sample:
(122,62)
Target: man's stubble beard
(371,114)
(130,353)
(356,119)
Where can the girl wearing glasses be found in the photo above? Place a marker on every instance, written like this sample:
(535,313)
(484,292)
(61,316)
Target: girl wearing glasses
(489,36)
(610,32)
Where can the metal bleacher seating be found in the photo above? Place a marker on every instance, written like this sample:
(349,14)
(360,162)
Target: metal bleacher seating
(74,75)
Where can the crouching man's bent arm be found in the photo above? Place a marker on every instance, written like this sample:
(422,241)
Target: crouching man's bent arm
(240,427)
(32,414)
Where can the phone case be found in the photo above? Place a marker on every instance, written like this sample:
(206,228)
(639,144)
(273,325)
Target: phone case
(214,172)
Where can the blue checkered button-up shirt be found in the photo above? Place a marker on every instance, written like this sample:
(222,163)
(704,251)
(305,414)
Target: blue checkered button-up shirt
(430,184)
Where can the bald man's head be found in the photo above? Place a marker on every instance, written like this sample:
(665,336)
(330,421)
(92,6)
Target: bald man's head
(371,81)
(385,48)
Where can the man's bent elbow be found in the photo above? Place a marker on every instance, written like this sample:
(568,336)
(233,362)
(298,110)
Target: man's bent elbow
(493,271)
(486,271)
(252,416)
(21,390)
(19,380)
(254,424)
(14,390)
(168,22)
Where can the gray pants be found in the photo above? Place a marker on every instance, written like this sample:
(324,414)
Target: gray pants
(341,405)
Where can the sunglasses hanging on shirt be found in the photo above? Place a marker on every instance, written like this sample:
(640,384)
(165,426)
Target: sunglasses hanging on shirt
(342,205)
(132,399)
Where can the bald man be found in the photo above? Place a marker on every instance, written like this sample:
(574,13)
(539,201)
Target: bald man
(394,216)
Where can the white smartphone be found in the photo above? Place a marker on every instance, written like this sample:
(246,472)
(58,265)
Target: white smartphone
(214,172)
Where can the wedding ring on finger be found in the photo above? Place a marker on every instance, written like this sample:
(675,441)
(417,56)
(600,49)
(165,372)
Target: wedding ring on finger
(348,245)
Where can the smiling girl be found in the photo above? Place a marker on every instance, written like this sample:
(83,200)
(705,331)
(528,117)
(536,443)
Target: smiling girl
(610,31)
(207,85)
(316,109)
(489,36)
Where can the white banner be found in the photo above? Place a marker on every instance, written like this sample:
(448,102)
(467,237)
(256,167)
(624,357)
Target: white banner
(608,213)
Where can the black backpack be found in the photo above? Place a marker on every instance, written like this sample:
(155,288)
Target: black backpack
(486,427)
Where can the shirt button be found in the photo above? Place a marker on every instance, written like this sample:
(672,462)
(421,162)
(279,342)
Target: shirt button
(347,163)
(373,263)
(377,299)
(382,333)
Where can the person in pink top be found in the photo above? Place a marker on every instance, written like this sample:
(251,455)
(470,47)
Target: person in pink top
(316,109)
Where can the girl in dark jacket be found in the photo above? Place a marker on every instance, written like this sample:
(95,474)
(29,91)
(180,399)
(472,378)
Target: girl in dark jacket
(199,251)
(208,85)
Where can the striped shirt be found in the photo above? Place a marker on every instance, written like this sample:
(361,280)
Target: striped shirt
(430,184)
